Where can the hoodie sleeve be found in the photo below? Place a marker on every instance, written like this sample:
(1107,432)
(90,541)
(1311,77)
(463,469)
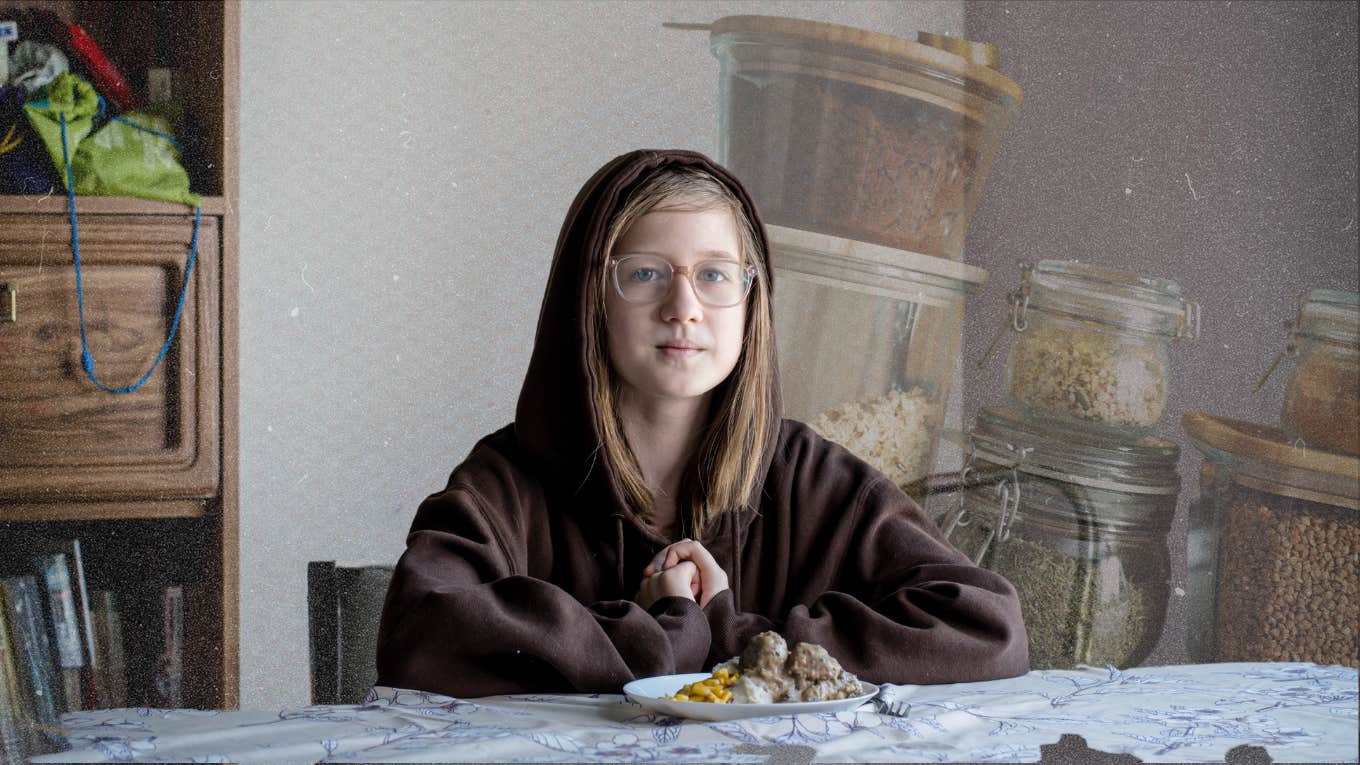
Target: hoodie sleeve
(461,619)
(901,605)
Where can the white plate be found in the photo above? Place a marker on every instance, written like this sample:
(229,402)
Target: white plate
(652,693)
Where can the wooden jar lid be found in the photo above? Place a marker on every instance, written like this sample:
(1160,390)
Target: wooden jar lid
(1264,458)
(971,61)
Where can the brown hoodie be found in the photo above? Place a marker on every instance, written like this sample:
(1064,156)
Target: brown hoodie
(519,576)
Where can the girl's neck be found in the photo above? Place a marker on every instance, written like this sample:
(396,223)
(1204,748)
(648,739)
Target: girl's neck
(663,434)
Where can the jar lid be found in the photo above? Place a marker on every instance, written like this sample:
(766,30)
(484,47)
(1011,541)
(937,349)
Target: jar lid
(1146,466)
(861,43)
(982,53)
(1330,315)
(871,268)
(1266,459)
(1119,298)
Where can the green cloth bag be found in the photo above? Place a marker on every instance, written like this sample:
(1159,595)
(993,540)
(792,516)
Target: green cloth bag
(136,160)
(130,155)
(75,98)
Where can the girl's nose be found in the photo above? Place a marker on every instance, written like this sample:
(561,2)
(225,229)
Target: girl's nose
(681,302)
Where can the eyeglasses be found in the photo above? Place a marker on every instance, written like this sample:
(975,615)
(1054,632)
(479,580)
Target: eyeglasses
(648,279)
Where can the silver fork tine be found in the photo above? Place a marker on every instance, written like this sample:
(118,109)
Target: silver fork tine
(886,702)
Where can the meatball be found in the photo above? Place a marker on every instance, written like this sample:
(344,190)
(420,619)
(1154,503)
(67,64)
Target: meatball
(809,663)
(843,686)
(765,654)
(769,672)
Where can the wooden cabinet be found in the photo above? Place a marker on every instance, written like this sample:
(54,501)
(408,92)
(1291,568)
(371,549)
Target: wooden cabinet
(146,480)
(63,437)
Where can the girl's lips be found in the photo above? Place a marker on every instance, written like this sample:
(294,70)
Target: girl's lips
(678,350)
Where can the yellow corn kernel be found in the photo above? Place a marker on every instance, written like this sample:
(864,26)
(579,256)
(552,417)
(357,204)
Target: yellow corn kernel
(711,689)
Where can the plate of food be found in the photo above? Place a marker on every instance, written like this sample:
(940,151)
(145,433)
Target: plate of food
(766,680)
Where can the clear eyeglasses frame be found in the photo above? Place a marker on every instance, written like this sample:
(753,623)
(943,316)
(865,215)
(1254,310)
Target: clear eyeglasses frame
(730,285)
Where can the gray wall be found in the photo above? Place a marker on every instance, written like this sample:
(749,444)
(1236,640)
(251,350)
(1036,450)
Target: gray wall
(405,165)
(1212,143)
(405,168)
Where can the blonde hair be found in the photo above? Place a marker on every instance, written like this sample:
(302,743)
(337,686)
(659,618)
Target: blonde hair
(724,470)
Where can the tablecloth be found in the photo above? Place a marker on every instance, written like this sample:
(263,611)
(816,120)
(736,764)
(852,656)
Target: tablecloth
(1297,712)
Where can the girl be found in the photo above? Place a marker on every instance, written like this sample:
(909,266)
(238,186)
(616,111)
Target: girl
(649,510)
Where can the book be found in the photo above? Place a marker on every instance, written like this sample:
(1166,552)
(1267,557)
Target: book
(168,681)
(111,665)
(63,575)
(11,747)
(20,733)
(30,641)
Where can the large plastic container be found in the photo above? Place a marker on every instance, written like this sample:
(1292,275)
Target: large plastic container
(1079,527)
(859,134)
(868,341)
(1273,549)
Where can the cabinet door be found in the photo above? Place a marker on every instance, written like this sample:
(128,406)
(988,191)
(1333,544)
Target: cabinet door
(62,438)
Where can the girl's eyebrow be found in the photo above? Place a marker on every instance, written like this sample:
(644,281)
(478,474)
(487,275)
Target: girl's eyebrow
(706,253)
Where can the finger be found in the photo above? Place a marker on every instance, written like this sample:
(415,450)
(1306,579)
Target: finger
(663,560)
(681,571)
(677,579)
(659,560)
(682,550)
(655,565)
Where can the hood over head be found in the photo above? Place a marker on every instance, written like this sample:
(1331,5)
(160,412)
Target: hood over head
(556,419)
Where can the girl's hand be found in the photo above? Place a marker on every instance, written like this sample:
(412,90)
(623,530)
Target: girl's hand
(680,580)
(712,579)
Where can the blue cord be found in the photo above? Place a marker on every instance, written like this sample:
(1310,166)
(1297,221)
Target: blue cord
(166,136)
(86,360)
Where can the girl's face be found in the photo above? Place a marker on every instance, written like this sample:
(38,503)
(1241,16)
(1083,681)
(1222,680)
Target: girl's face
(676,347)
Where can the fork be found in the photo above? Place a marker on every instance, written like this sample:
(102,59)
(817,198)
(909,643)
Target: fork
(887,702)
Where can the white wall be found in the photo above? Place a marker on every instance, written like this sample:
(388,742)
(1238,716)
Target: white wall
(405,167)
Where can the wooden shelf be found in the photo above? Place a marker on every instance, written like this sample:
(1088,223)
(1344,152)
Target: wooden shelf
(101,511)
(56,203)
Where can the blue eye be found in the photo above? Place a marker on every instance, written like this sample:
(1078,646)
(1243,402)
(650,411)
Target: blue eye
(643,274)
(712,275)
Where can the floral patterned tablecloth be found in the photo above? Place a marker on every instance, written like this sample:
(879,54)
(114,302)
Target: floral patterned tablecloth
(1188,713)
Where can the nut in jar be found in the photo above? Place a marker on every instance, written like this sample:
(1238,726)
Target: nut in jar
(1091,347)
(1086,373)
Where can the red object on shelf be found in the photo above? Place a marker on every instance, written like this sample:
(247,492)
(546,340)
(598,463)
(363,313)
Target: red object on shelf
(107,79)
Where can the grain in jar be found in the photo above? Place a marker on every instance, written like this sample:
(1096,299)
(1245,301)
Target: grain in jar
(1274,547)
(868,342)
(1079,527)
(1090,347)
(1321,405)
(859,134)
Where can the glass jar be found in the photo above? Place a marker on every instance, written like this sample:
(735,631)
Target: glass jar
(1273,547)
(868,342)
(1090,348)
(1079,527)
(860,134)
(1322,396)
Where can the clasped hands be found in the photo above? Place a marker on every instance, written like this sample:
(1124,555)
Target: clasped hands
(683,569)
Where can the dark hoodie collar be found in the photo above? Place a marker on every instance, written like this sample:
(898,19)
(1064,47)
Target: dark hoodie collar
(555,418)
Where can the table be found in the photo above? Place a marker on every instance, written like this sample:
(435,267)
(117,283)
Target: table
(1297,712)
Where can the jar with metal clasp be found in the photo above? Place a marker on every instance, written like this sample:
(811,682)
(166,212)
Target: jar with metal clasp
(1090,347)
(1321,407)
(1079,527)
